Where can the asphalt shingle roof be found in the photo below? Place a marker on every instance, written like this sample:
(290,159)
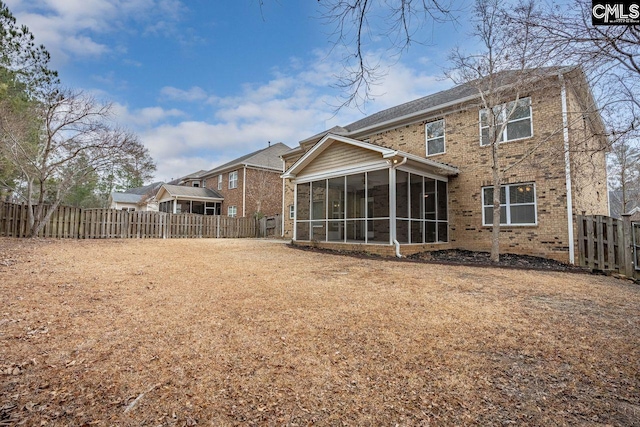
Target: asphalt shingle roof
(126,197)
(267,157)
(185,191)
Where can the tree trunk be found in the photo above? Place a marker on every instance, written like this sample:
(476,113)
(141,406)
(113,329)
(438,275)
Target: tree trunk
(495,231)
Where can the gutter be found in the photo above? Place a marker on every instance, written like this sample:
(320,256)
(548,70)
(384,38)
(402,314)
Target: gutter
(567,168)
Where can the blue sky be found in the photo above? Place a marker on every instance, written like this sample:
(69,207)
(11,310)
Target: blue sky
(202,82)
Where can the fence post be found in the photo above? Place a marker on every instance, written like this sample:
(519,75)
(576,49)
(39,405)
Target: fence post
(626,260)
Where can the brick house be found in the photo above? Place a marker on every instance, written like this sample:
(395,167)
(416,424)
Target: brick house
(418,176)
(249,184)
(241,187)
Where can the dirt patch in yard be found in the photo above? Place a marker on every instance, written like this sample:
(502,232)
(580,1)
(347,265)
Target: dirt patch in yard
(248,332)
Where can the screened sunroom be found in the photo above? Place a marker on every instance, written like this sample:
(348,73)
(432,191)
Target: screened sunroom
(378,196)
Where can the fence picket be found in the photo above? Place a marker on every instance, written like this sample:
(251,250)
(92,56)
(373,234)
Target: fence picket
(68,222)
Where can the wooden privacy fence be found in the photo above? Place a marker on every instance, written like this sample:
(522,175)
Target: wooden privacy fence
(609,244)
(75,223)
(270,226)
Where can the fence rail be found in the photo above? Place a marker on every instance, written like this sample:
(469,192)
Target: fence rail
(607,244)
(75,223)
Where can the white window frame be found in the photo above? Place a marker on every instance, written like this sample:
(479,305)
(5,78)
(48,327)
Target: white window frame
(232,211)
(220,182)
(233,179)
(507,221)
(292,212)
(501,112)
(427,139)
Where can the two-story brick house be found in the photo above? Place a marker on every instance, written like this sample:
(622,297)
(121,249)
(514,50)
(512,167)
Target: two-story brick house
(418,176)
(250,183)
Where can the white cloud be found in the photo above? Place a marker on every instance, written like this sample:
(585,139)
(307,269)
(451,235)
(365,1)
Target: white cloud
(191,95)
(73,28)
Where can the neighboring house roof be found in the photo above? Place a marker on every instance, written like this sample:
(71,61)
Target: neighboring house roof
(125,197)
(145,190)
(185,192)
(267,158)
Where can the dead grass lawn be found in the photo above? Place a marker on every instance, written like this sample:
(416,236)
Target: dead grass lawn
(245,332)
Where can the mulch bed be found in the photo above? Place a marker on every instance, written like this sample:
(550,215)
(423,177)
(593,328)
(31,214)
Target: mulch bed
(463,257)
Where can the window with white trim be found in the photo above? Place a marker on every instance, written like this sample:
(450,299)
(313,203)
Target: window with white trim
(517,205)
(517,115)
(435,137)
(233,179)
(292,212)
(220,182)
(232,211)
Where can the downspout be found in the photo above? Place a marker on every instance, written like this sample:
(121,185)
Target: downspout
(283,201)
(567,169)
(244,191)
(394,166)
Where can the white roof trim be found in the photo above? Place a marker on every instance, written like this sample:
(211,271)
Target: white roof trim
(386,153)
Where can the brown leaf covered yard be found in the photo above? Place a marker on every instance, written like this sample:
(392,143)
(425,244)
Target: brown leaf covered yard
(248,332)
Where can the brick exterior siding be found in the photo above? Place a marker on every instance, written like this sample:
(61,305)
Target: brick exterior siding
(538,159)
(262,185)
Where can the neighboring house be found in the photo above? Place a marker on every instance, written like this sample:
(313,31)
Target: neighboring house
(136,199)
(248,184)
(418,176)
(188,199)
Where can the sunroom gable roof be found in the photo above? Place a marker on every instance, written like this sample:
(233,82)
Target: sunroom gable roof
(385,153)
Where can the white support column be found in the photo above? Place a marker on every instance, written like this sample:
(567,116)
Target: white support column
(175,205)
(295,209)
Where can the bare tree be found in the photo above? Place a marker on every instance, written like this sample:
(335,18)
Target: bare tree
(357,23)
(56,143)
(505,68)
(624,175)
(609,56)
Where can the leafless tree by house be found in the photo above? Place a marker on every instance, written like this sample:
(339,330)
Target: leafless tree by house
(502,72)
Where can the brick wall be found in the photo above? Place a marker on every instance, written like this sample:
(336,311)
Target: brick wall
(261,186)
(264,189)
(538,159)
(232,196)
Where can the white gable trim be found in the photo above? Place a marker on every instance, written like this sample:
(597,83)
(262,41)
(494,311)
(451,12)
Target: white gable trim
(385,153)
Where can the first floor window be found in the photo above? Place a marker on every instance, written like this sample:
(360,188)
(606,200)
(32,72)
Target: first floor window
(292,212)
(435,137)
(517,204)
(233,179)
(232,211)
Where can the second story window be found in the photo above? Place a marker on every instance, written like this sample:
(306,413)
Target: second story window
(233,179)
(220,182)
(516,115)
(435,137)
